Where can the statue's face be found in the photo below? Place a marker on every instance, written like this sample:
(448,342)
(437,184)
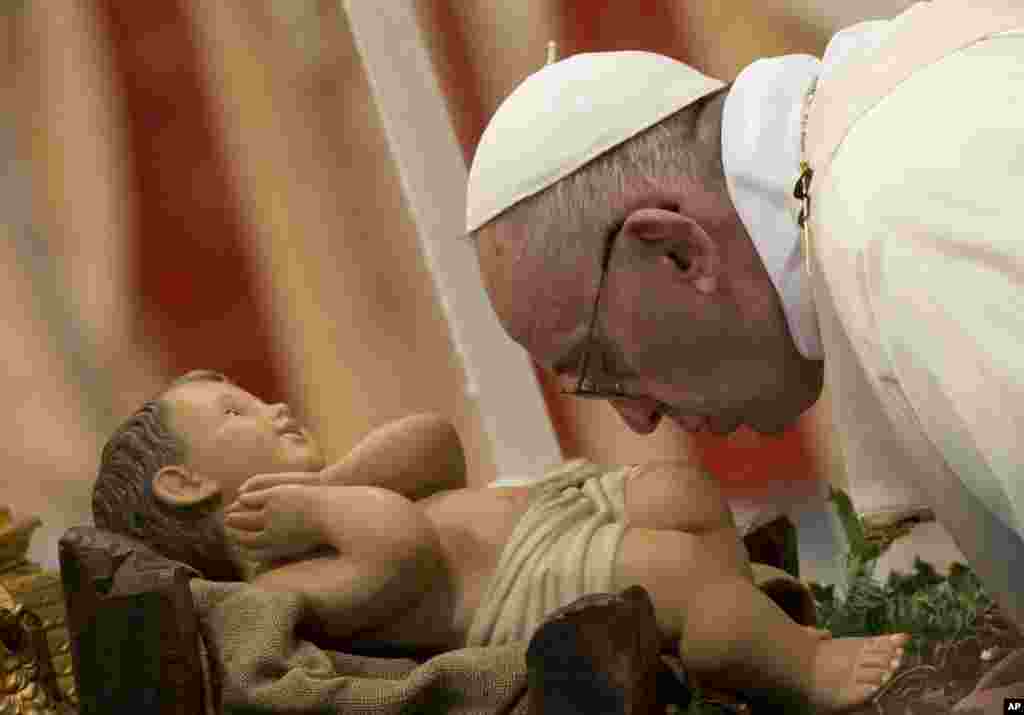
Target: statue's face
(232,435)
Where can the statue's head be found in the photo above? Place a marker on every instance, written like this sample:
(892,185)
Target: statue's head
(167,472)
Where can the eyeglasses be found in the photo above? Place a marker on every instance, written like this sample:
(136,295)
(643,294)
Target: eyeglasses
(586,387)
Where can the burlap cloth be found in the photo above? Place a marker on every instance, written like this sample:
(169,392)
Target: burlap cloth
(258,662)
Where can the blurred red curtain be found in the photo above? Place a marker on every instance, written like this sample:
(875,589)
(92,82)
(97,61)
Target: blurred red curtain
(191,248)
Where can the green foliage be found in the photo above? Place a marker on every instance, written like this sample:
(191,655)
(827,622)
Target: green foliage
(862,552)
(930,607)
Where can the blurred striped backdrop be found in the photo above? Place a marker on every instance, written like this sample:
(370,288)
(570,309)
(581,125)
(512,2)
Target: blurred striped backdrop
(209,184)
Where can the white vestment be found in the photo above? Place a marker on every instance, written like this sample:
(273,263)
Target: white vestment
(761,145)
(917,235)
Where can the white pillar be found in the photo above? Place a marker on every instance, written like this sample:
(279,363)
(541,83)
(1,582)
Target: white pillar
(499,375)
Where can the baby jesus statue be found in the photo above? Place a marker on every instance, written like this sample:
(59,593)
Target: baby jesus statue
(389,548)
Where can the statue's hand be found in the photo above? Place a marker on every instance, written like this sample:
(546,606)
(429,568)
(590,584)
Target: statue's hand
(266,481)
(276,523)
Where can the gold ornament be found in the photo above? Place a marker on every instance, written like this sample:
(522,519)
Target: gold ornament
(15,534)
(28,685)
(34,640)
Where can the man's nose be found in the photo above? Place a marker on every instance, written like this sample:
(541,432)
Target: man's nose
(640,415)
(280,410)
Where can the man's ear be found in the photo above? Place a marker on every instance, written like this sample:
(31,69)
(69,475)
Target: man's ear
(677,241)
(177,486)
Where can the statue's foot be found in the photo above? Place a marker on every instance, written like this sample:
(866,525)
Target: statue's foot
(849,671)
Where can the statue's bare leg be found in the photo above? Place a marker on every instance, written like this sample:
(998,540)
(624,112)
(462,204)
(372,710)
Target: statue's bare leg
(681,546)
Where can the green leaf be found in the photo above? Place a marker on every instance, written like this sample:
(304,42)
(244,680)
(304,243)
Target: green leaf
(850,521)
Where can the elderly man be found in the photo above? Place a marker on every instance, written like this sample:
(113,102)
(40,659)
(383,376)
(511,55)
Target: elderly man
(636,231)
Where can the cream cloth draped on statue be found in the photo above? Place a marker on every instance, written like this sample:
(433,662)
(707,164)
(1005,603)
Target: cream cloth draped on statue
(563,547)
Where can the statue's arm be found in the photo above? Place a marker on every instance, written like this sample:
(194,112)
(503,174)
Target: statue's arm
(415,456)
(384,556)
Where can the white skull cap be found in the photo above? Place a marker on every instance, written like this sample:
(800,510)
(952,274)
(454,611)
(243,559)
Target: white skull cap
(568,113)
